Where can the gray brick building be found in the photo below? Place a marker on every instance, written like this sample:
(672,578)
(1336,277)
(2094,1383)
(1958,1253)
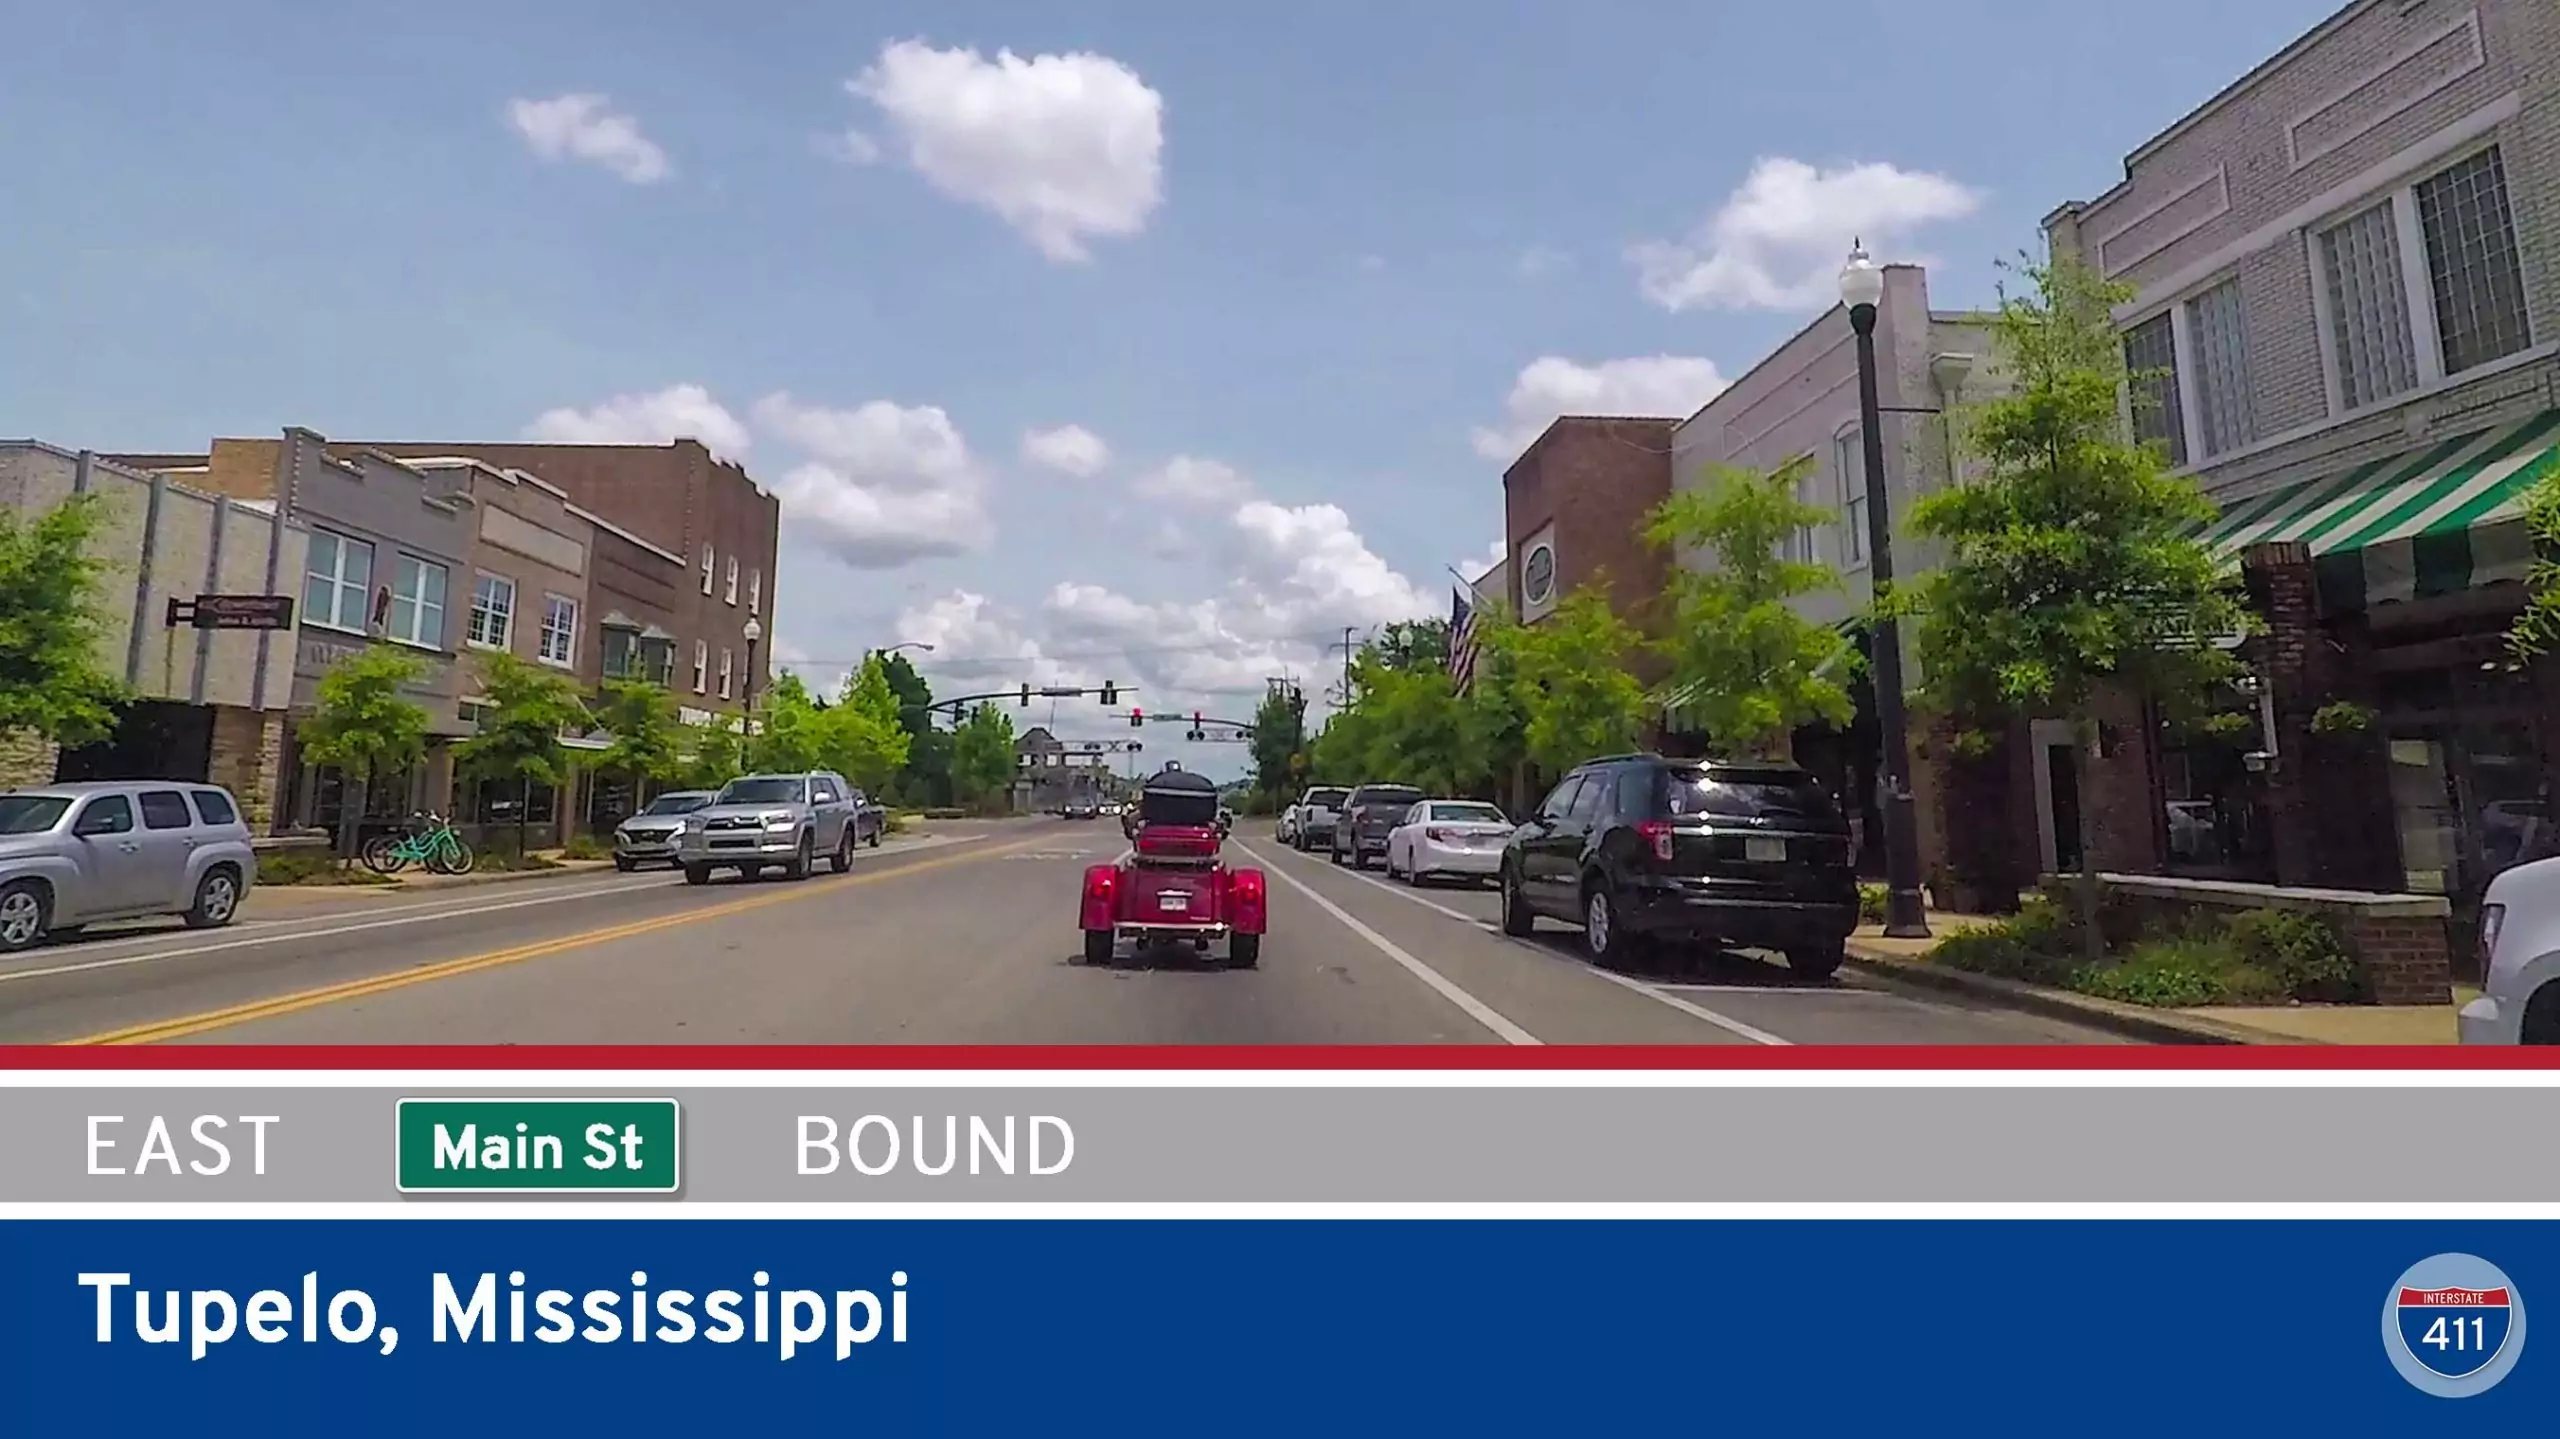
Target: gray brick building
(2346,326)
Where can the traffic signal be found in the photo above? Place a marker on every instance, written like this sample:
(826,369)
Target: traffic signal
(1110,694)
(1026,695)
(1137,720)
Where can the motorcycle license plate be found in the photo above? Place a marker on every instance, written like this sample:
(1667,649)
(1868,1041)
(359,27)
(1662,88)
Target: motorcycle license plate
(1764,851)
(1173,903)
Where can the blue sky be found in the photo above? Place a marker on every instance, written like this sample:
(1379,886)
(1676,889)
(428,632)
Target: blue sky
(1295,268)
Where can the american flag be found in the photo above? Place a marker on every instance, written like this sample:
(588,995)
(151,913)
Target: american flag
(1462,641)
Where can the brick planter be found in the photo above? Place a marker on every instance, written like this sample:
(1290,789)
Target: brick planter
(2398,940)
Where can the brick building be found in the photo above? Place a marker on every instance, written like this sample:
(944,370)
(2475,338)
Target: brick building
(1802,403)
(1574,509)
(2347,327)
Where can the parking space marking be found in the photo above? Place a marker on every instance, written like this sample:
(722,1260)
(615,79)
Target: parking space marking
(1476,1009)
(1700,1012)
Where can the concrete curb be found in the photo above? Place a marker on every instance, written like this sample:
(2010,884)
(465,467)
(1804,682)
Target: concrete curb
(566,869)
(2131,1020)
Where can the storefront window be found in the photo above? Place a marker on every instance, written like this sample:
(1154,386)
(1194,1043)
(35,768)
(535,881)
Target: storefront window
(2215,806)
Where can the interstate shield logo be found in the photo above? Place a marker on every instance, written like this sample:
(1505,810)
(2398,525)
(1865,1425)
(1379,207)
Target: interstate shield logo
(2454,1325)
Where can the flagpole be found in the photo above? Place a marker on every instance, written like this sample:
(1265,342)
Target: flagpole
(1462,579)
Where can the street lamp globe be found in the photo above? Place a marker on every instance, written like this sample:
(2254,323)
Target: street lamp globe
(754,630)
(1861,283)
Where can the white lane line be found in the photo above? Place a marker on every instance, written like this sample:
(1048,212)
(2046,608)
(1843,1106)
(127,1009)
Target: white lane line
(1476,1009)
(420,914)
(1725,1022)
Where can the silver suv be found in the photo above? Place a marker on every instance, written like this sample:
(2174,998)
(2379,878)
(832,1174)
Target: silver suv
(779,821)
(72,855)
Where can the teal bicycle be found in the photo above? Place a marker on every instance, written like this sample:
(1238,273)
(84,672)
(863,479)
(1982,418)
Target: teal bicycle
(432,841)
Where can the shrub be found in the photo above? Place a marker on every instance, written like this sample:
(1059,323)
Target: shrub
(312,865)
(2302,951)
(586,846)
(1871,902)
(2180,973)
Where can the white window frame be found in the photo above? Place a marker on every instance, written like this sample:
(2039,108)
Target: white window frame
(727,672)
(568,656)
(419,636)
(2417,285)
(710,567)
(702,667)
(339,585)
(1849,458)
(506,614)
(731,594)
(755,592)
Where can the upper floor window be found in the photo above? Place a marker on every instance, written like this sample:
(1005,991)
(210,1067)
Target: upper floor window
(2217,346)
(559,640)
(2151,365)
(1849,463)
(726,671)
(730,594)
(1806,545)
(493,611)
(701,666)
(337,581)
(2424,286)
(417,603)
(709,567)
(755,592)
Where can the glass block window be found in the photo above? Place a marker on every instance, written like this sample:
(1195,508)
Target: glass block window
(2151,359)
(2218,336)
(2368,308)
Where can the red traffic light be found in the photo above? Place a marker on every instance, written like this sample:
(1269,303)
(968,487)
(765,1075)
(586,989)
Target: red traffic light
(1137,720)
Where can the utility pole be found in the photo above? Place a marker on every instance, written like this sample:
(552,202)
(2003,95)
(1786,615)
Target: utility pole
(1349,647)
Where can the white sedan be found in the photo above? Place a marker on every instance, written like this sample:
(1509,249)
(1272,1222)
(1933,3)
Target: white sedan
(1448,838)
(1287,832)
(2519,944)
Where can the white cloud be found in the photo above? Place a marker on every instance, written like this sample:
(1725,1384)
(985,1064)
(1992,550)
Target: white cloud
(1067,149)
(1777,242)
(1309,572)
(656,418)
(887,484)
(1477,565)
(854,148)
(1667,385)
(1188,480)
(1068,449)
(588,128)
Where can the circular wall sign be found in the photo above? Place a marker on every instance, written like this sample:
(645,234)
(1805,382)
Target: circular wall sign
(1538,575)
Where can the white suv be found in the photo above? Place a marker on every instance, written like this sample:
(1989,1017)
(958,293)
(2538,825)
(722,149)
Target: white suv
(2519,999)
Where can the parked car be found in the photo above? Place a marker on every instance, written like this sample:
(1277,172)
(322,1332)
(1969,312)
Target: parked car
(1318,808)
(2519,942)
(779,821)
(653,835)
(1286,830)
(1642,848)
(1448,839)
(1369,814)
(72,855)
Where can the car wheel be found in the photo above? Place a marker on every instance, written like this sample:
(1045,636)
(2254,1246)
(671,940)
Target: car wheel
(1244,951)
(1518,920)
(697,874)
(802,859)
(24,909)
(842,859)
(625,864)
(1817,961)
(217,899)
(1603,937)
(1097,946)
(876,832)
(2541,1017)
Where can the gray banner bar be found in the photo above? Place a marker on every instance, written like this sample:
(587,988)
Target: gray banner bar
(1910,1144)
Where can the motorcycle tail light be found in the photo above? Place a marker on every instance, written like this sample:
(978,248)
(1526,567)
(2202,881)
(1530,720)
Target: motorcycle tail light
(1658,834)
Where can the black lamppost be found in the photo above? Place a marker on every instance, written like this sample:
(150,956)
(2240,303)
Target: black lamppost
(754,633)
(1905,917)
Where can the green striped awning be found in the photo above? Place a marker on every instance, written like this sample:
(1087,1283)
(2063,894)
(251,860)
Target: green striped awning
(2431,522)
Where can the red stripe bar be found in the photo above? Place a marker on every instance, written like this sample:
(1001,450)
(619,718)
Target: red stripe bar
(2453,1299)
(1288,1057)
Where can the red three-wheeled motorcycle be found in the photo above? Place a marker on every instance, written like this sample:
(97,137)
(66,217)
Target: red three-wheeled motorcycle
(1174,887)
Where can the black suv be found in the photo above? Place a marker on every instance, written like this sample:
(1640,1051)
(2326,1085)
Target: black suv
(1639,847)
(1371,814)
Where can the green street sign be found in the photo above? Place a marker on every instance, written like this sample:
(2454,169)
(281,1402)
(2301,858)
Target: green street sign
(540,1146)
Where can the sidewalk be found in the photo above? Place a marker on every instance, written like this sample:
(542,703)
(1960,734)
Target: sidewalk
(1905,961)
(416,881)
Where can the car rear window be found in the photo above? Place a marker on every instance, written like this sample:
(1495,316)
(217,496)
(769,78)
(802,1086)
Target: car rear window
(1467,813)
(1748,794)
(1387,794)
(1327,798)
(215,807)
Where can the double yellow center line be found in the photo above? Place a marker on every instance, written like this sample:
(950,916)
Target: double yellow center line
(192,1024)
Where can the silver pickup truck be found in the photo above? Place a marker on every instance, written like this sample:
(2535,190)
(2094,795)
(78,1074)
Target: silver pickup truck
(779,821)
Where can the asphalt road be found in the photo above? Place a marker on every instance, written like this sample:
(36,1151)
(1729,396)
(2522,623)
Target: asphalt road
(965,936)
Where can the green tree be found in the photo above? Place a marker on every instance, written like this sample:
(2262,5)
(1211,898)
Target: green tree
(1740,654)
(2537,630)
(925,781)
(648,740)
(859,735)
(1410,646)
(51,682)
(2071,563)
(789,733)
(1568,678)
(362,725)
(1279,743)
(982,760)
(519,735)
(714,753)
